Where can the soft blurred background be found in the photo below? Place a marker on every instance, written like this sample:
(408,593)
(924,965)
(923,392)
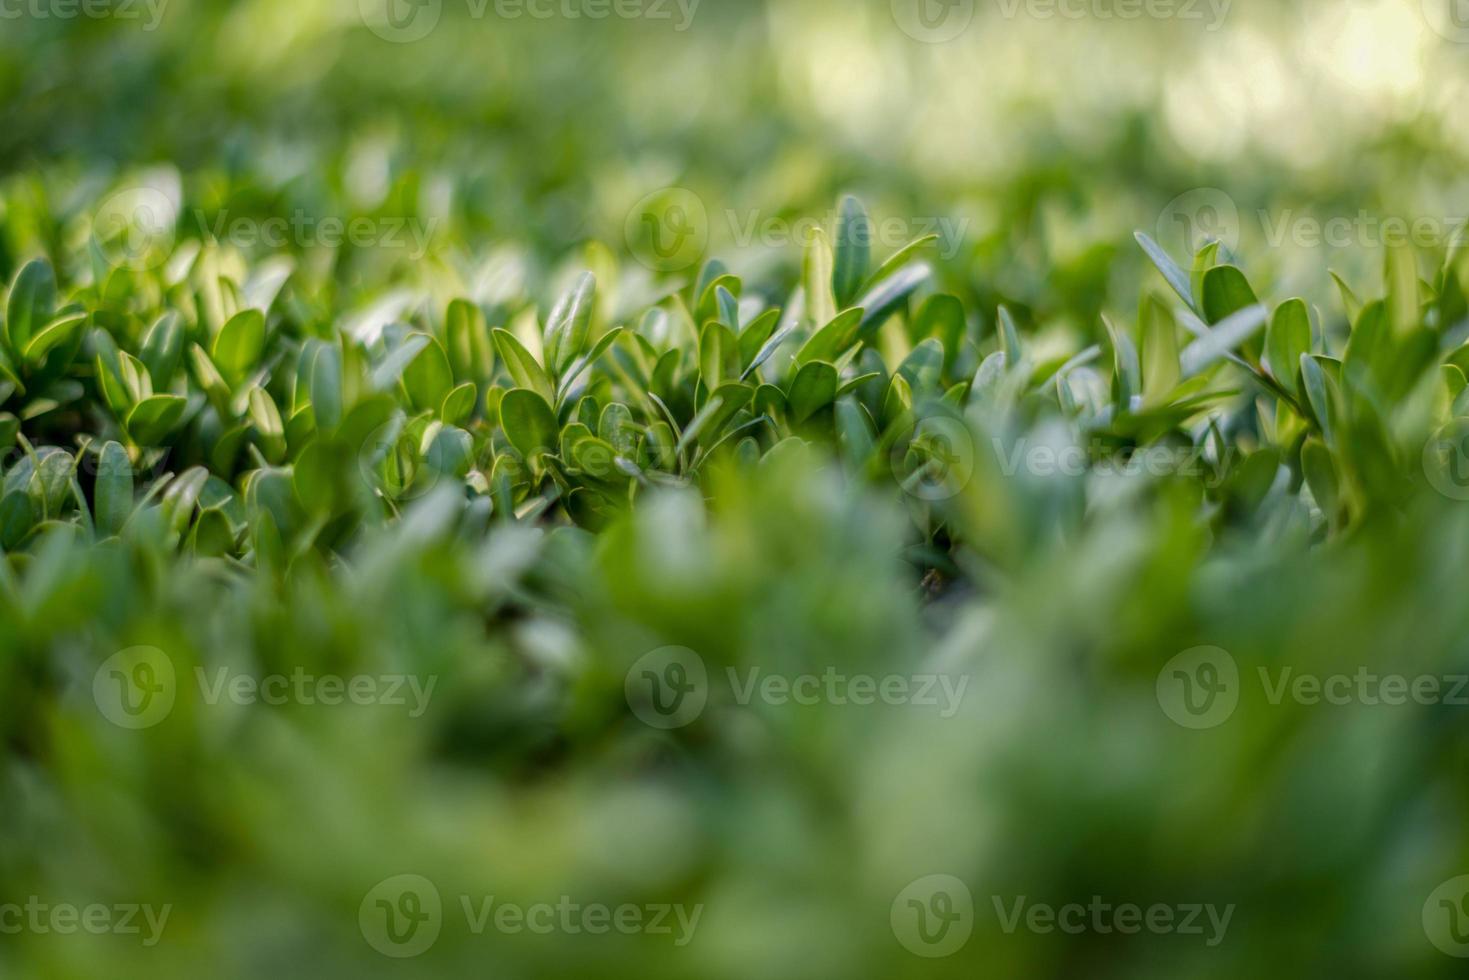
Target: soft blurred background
(1036,144)
(1044,131)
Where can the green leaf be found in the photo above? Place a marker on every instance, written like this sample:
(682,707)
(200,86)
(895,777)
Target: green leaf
(153,418)
(208,377)
(238,345)
(1286,338)
(1172,272)
(1226,292)
(754,336)
(1320,473)
(586,361)
(458,404)
(528,421)
(719,354)
(832,340)
(569,324)
(427,378)
(55,333)
(467,341)
(853,251)
(1227,335)
(941,317)
(1349,300)
(892,292)
(113,494)
(31,304)
(17,517)
(814,387)
(1313,382)
(163,348)
(1009,337)
(1160,358)
(816,277)
(1126,370)
(267,421)
(898,260)
(524,370)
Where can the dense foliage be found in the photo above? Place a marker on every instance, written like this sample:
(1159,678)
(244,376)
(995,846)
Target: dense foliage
(480,473)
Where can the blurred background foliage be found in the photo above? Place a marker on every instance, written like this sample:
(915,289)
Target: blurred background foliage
(1060,778)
